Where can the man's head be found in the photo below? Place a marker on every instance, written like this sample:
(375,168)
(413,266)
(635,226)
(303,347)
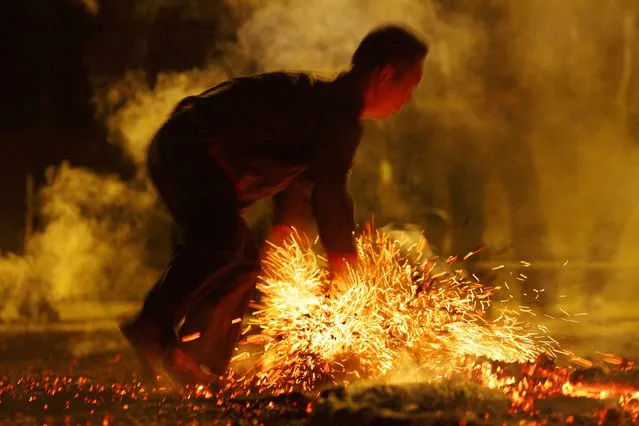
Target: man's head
(389,62)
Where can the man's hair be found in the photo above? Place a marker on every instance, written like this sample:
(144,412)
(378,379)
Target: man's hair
(389,45)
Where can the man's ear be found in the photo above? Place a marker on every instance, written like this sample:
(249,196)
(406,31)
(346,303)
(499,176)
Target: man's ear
(386,74)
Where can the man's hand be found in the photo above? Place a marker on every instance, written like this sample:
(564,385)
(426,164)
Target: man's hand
(338,264)
(276,238)
(279,234)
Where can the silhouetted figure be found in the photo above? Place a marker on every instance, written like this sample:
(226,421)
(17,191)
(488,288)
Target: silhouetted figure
(278,134)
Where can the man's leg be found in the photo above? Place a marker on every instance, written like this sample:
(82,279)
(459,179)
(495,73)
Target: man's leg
(198,269)
(202,199)
(211,329)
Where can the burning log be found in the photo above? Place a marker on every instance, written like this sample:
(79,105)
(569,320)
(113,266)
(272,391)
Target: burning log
(542,387)
(598,383)
(460,403)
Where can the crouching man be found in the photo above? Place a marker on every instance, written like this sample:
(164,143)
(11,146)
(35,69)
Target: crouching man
(279,134)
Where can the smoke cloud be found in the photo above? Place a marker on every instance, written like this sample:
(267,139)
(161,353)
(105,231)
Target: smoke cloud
(522,137)
(104,238)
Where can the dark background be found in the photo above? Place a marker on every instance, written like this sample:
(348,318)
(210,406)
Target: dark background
(53,53)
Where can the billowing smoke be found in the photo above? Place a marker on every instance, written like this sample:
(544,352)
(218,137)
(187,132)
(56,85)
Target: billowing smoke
(104,238)
(522,137)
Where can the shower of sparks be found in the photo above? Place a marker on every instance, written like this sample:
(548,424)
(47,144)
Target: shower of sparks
(399,304)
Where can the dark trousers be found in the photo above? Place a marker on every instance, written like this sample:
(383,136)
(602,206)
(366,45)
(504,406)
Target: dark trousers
(208,283)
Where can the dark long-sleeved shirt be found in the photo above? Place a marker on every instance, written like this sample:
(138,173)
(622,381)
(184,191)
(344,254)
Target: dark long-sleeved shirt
(268,129)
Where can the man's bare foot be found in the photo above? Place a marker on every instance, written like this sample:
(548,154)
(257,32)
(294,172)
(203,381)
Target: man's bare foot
(185,370)
(145,339)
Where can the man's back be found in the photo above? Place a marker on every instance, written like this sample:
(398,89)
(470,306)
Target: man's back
(273,115)
(271,127)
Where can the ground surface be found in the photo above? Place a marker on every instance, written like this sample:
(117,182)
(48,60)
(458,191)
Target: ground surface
(81,372)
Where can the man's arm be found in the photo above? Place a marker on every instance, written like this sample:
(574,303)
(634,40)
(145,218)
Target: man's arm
(331,202)
(334,212)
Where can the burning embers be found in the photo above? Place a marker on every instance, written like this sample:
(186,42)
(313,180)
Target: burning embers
(534,387)
(401,318)
(399,308)
(402,311)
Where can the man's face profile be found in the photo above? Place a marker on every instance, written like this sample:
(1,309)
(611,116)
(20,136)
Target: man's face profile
(390,89)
